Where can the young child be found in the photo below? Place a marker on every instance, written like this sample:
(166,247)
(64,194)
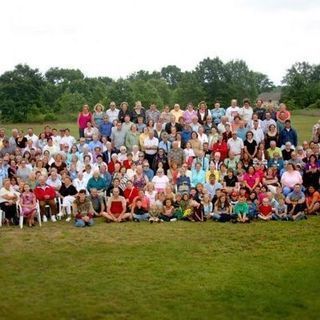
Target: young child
(222,209)
(139,212)
(207,206)
(252,204)
(234,199)
(155,213)
(28,205)
(241,210)
(281,210)
(265,210)
(168,211)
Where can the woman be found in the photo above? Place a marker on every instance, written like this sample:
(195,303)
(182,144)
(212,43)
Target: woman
(150,193)
(227,134)
(73,152)
(221,147)
(217,112)
(42,141)
(202,112)
(189,113)
(160,180)
(59,163)
(312,200)
(195,142)
(311,172)
(89,131)
(271,135)
(250,179)
(166,115)
(84,117)
(160,158)
(98,114)
(213,138)
(67,193)
(270,179)
(116,208)
(143,136)
(189,153)
(173,173)
(140,179)
(28,203)
(124,111)
(236,123)
(12,170)
(39,167)
(132,137)
(222,209)
(290,178)
(23,171)
(138,111)
(262,152)
(250,145)
(21,140)
(8,200)
(230,181)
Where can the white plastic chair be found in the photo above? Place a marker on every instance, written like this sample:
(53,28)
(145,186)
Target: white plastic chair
(2,216)
(21,217)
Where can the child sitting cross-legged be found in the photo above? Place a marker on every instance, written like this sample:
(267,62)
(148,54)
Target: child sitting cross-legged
(265,210)
(241,210)
(139,213)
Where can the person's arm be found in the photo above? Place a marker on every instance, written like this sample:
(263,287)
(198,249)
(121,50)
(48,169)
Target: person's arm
(123,208)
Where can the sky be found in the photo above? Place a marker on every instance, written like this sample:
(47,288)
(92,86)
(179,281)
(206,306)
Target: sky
(117,38)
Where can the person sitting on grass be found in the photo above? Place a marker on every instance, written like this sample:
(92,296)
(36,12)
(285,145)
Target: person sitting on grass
(168,211)
(312,201)
(207,206)
(28,203)
(281,210)
(83,210)
(241,210)
(116,208)
(222,209)
(296,203)
(265,210)
(139,212)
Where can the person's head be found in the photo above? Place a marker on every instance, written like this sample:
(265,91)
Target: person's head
(259,103)
(160,172)
(67,181)
(249,135)
(168,202)
(290,167)
(287,124)
(234,102)
(246,103)
(42,180)
(265,201)
(116,192)
(112,105)
(251,170)
(297,187)
(176,107)
(190,106)
(230,172)
(194,135)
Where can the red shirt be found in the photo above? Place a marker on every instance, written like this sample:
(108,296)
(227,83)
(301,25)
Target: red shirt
(265,210)
(130,194)
(127,164)
(111,165)
(222,148)
(41,192)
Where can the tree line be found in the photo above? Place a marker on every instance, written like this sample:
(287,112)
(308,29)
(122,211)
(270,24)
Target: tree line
(28,95)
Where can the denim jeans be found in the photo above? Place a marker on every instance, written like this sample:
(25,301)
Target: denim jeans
(80,223)
(141,217)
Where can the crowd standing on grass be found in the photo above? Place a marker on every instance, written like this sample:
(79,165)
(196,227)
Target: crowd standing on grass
(238,164)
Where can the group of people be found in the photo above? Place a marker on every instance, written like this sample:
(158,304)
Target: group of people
(238,164)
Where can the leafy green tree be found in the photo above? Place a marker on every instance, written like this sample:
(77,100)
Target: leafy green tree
(172,75)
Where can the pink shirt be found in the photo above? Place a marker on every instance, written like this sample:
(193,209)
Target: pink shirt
(250,179)
(187,115)
(84,119)
(289,179)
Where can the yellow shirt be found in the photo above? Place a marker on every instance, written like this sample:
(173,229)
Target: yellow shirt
(272,152)
(177,114)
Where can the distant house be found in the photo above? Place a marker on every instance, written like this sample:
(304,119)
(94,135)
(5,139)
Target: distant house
(271,96)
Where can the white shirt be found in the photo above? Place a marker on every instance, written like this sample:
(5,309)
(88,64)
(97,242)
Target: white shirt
(221,128)
(112,114)
(246,113)
(80,184)
(34,139)
(4,191)
(189,153)
(266,123)
(160,182)
(154,142)
(203,138)
(258,135)
(231,112)
(70,140)
(235,145)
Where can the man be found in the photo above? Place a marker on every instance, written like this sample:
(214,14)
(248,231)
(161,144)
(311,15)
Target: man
(273,149)
(46,195)
(286,152)
(288,134)
(126,125)
(221,126)
(105,127)
(30,135)
(233,110)
(108,153)
(195,125)
(212,186)
(51,147)
(259,109)
(258,134)
(6,148)
(67,139)
(296,203)
(112,112)
(54,180)
(118,135)
(147,171)
(176,112)
(236,145)
(268,121)
(165,144)
(95,143)
(12,139)
(97,182)
(153,113)
(176,154)
(97,202)
(242,130)
(151,147)
(200,158)
(246,111)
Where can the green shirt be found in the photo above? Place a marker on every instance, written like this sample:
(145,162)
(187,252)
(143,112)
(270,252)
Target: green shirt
(241,208)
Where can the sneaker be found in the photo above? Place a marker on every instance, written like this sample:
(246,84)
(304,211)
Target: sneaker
(68,219)
(173,219)
(136,220)
(53,218)
(44,218)
(59,215)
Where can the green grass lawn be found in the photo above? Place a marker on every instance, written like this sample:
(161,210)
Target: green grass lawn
(162,271)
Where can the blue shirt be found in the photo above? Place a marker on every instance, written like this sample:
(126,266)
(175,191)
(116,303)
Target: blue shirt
(197,177)
(166,146)
(105,129)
